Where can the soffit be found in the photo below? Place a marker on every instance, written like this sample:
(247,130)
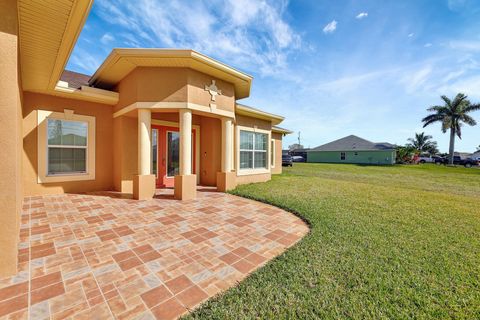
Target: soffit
(48,30)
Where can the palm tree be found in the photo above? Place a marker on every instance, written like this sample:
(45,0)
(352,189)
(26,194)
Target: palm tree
(423,143)
(452,115)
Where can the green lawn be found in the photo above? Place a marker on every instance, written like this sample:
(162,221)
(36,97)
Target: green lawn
(386,242)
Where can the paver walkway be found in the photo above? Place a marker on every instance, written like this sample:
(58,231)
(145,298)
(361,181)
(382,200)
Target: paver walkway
(99,256)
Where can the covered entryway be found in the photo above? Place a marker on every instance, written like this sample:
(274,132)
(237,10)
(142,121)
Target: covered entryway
(166,153)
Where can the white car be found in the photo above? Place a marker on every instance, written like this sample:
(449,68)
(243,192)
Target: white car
(426,159)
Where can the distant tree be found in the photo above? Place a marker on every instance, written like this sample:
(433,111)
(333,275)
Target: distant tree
(452,115)
(478,148)
(295,146)
(405,154)
(423,143)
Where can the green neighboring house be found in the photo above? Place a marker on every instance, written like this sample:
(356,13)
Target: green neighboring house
(353,149)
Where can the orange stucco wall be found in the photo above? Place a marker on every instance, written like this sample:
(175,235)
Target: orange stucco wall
(277,137)
(103,140)
(210,150)
(155,84)
(10,139)
(198,95)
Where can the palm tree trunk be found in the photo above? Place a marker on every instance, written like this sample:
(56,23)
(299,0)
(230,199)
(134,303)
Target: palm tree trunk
(452,146)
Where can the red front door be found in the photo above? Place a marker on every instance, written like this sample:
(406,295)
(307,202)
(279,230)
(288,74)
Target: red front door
(166,154)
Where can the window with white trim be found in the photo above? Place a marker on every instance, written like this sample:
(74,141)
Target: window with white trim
(67,147)
(342,155)
(272,158)
(253,150)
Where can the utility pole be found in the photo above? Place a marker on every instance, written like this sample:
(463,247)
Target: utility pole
(299,139)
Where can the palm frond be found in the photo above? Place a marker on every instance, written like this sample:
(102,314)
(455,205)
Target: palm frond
(468,120)
(447,100)
(428,120)
(472,107)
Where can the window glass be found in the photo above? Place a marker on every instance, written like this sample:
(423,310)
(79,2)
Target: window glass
(154,151)
(67,133)
(260,160)
(246,160)
(246,140)
(67,146)
(261,141)
(173,153)
(342,155)
(253,150)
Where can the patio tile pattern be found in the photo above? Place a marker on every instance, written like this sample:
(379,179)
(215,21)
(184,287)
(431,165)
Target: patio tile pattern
(103,256)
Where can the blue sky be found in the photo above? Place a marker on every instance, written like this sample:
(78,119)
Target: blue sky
(332,68)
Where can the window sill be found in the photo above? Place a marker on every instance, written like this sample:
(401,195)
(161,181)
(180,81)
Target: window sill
(246,172)
(66,177)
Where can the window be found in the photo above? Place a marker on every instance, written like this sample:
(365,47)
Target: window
(342,155)
(67,146)
(253,150)
(272,157)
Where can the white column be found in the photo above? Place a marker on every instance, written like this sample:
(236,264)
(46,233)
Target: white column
(185,142)
(144,141)
(227,138)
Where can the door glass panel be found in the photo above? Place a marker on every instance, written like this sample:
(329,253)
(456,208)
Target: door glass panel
(154,151)
(173,154)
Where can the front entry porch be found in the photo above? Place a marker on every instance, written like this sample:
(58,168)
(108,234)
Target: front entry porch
(171,153)
(103,256)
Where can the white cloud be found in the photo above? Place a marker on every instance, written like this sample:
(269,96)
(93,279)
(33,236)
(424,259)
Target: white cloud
(362,15)
(427,45)
(473,46)
(331,27)
(250,33)
(411,35)
(106,38)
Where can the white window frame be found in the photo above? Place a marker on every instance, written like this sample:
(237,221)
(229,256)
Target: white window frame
(272,153)
(245,171)
(42,145)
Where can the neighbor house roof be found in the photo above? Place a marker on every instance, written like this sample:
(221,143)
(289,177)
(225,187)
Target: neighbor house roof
(120,62)
(353,143)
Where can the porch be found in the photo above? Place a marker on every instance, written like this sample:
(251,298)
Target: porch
(107,256)
(177,148)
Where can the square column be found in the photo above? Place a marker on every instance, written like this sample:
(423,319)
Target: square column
(185,182)
(226,179)
(144,182)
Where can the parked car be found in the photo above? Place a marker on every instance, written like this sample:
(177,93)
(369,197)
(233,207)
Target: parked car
(467,163)
(287,160)
(424,158)
(298,159)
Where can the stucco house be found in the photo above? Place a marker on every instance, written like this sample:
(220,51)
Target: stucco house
(353,149)
(146,119)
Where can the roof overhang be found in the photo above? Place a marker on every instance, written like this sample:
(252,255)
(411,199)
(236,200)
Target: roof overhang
(244,110)
(283,131)
(121,62)
(48,30)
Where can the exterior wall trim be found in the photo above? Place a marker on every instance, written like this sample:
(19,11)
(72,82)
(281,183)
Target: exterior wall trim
(42,117)
(174,105)
(245,172)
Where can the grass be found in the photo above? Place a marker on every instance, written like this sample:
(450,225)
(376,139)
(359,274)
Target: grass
(385,242)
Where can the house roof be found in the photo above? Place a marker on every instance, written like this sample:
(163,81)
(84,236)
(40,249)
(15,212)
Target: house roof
(242,109)
(354,143)
(75,79)
(277,129)
(121,61)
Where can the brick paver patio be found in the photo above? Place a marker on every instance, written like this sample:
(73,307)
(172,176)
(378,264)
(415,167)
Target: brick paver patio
(99,256)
